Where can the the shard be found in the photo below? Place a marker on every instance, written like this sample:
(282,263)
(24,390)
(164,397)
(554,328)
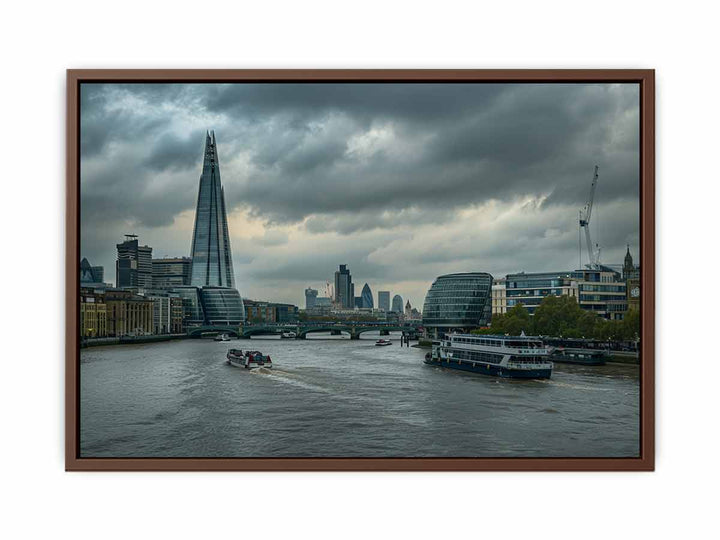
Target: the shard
(211,256)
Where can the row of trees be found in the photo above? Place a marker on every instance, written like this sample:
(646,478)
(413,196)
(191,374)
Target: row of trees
(562,316)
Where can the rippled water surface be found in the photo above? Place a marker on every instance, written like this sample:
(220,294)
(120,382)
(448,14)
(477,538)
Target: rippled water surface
(336,397)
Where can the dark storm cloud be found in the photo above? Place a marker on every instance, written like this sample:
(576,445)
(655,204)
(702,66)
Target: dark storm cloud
(478,141)
(357,158)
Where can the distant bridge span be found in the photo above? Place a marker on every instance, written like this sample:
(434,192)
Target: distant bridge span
(198,331)
(303,329)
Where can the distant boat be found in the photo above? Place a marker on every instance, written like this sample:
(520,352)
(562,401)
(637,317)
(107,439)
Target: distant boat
(383,342)
(222,337)
(248,359)
(288,335)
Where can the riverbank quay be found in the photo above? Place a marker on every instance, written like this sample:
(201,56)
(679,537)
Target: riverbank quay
(129,340)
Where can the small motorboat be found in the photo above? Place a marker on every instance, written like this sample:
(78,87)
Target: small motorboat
(222,337)
(248,359)
(383,342)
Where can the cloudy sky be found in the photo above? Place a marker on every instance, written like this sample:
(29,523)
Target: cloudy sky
(402,182)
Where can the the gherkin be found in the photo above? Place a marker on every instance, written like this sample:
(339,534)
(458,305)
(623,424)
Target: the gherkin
(211,255)
(367,297)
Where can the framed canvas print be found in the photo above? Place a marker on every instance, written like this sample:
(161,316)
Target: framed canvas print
(360,270)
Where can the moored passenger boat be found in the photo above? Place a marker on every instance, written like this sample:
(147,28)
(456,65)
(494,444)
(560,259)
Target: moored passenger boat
(570,355)
(248,359)
(521,357)
(288,335)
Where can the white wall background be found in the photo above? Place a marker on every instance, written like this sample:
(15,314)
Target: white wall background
(40,41)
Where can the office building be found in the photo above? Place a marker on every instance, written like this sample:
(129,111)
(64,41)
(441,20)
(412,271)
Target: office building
(344,288)
(171,272)
(168,312)
(128,314)
(384,300)
(211,255)
(286,313)
(211,268)
(270,312)
(91,274)
(499,297)
(93,313)
(458,302)
(397,304)
(530,289)
(367,297)
(259,312)
(599,290)
(323,301)
(192,311)
(602,292)
(133,268)
(310,298)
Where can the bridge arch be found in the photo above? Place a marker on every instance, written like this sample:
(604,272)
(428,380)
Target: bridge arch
(362,329)
(265,331)
(198,331)
(302,334)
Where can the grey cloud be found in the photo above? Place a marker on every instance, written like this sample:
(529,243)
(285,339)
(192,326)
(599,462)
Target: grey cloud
(289,154)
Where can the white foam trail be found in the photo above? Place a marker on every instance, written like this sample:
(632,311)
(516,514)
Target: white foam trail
(289,378)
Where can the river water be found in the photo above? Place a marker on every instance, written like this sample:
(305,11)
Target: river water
(332,397)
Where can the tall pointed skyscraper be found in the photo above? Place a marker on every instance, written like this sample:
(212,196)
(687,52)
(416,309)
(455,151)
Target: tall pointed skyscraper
(211,256)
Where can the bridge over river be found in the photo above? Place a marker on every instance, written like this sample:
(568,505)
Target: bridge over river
(302,329)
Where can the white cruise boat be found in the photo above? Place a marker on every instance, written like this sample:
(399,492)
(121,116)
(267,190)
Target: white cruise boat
(522,357)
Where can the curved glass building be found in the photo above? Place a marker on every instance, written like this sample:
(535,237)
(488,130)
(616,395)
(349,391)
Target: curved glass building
(397,304)
(367,297)
(459,301)
(222,305)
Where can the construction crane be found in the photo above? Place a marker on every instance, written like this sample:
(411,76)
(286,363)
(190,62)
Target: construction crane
(330,293)
(585,213)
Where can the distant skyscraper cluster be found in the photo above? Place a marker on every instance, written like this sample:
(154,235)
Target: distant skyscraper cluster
(342,297)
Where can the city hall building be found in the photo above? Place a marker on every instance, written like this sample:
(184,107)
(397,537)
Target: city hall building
(458,302)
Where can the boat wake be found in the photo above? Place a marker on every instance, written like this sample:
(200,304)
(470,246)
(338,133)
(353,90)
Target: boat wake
(573,386)
(289,378)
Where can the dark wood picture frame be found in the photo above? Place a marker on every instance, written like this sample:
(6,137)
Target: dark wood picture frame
(645,462)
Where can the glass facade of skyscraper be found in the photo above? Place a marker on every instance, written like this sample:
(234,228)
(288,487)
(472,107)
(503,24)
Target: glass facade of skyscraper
(211,255)
(384,300)
(133,268)
(367,297)
(222,305)
(459,301)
